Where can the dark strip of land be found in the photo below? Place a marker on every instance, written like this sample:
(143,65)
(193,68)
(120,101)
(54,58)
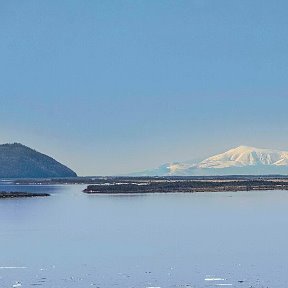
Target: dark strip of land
(21,194)
(186,186)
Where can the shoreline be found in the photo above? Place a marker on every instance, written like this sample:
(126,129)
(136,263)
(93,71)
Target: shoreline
(185,186)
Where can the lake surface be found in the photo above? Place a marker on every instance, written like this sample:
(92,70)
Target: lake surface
(72,239)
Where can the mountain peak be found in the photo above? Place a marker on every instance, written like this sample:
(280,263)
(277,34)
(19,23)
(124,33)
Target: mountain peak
(245,148)
(239,160)
(246,156)
(20,161)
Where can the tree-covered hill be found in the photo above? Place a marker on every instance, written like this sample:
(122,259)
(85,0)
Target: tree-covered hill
(19,161)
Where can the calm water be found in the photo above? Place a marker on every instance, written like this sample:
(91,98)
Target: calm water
(174,240)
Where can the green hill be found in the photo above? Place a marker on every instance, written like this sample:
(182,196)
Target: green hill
(19,161)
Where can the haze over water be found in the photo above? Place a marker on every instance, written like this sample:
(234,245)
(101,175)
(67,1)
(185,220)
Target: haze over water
(114,87)
(72,239)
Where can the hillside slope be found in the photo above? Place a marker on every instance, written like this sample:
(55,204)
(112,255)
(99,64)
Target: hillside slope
(19,161)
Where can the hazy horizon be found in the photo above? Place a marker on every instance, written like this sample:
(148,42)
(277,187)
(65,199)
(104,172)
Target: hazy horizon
(111,87)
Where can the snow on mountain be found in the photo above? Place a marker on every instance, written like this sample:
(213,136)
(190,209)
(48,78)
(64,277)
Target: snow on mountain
(240,160)
(167,169)
(245,156)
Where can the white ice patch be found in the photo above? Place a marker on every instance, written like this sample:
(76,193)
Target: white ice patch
(214,279)
(12,267)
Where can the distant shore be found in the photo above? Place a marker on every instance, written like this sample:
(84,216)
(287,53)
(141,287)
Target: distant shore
(140,179)
(21,194)
(163,184)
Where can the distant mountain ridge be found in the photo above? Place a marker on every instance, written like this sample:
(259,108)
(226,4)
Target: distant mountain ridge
(244,156)
(20,161)
(242,160)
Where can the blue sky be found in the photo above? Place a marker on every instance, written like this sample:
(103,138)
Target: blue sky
(109,87)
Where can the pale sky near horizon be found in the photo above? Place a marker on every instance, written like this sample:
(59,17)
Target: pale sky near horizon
(109,87)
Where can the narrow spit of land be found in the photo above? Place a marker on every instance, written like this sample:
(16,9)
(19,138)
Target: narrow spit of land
(186,186)
(21,194)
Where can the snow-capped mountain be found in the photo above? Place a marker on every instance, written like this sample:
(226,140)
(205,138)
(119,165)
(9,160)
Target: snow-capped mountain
(246,156)
(243,160)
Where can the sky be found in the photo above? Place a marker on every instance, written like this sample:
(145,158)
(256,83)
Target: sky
(110,87)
